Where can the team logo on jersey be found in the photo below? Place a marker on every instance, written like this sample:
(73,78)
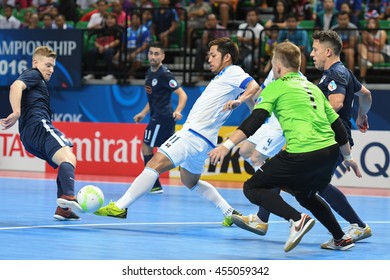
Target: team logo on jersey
(322,79)
(154,82)
(172,83)
(332,85)
(258,101)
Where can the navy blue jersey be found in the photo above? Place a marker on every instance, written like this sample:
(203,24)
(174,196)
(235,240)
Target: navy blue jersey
(159,86)
(37,133)
(339,79)
(35,103)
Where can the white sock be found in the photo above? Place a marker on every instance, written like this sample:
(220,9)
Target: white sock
(141,185)
(210,193)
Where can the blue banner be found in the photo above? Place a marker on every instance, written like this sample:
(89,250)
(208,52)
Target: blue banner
(17,47)
(113,103)
(96,103)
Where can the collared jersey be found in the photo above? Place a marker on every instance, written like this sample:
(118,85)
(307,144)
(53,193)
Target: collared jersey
(339,79)
(159,86)
(303,112)
(35,103)
(207,116)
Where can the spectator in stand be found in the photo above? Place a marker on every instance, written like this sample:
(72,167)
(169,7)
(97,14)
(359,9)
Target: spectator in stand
(225,9)
(47,21)
(213,30)
(26,19)
(116,7)
(54,12)
(146,4)
(86,4)
(196,17)
(165,23)
(33,22)
(354,5)
(68,9)
(248,37)
(97,19)
(372,9)
(269,48)
(37,3)
(138,40)
(128,4)
(327,17)
(45,8)
(318,6)
(380,6)
(373,48)
(302,9)
(298,36)
(280,11)
(23,4)
(8,21)
(349,35)
(60,23)
(147,19)
(106,46)
(345,7)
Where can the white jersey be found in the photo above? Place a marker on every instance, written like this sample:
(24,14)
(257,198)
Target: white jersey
(272,122)
(207,116)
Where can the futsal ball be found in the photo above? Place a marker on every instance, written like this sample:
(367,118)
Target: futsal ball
(90,198)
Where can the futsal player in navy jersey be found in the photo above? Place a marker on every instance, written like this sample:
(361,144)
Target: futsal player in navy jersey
(159,86)
(340,86)
(30,102)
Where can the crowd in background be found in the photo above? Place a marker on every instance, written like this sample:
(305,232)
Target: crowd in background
(130,25)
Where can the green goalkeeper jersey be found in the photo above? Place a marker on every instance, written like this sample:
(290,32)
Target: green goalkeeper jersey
(303,111)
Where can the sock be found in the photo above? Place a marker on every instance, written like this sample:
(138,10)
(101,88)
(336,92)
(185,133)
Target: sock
(210,193)
(65,179)
(338,201)
(141,185)
(59,188)
(146,160)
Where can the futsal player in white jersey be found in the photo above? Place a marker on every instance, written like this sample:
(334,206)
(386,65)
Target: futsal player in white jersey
(189,147)
(267,141)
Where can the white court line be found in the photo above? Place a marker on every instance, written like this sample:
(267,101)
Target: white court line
(148,224)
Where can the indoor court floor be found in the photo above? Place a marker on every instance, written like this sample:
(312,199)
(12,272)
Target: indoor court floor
(176,225)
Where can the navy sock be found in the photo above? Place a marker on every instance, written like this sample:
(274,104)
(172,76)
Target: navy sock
(65,178)
(146,160)
(338,201)
(59,188)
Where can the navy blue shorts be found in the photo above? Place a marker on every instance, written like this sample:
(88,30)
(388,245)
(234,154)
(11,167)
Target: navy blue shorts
(158,131)
(43,140)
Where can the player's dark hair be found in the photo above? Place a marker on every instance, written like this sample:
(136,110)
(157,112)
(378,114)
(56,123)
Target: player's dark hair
(330,37)
(226,46)
(158,45)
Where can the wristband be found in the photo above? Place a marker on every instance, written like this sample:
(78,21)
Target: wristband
(228,144)
(348,157)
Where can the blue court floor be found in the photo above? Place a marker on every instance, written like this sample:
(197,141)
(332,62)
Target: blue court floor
(177,225)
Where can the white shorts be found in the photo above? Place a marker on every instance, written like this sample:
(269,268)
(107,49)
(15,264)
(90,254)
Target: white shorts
(268,140)
(187,150)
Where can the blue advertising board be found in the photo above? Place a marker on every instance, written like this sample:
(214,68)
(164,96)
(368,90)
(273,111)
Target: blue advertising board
(17,47)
